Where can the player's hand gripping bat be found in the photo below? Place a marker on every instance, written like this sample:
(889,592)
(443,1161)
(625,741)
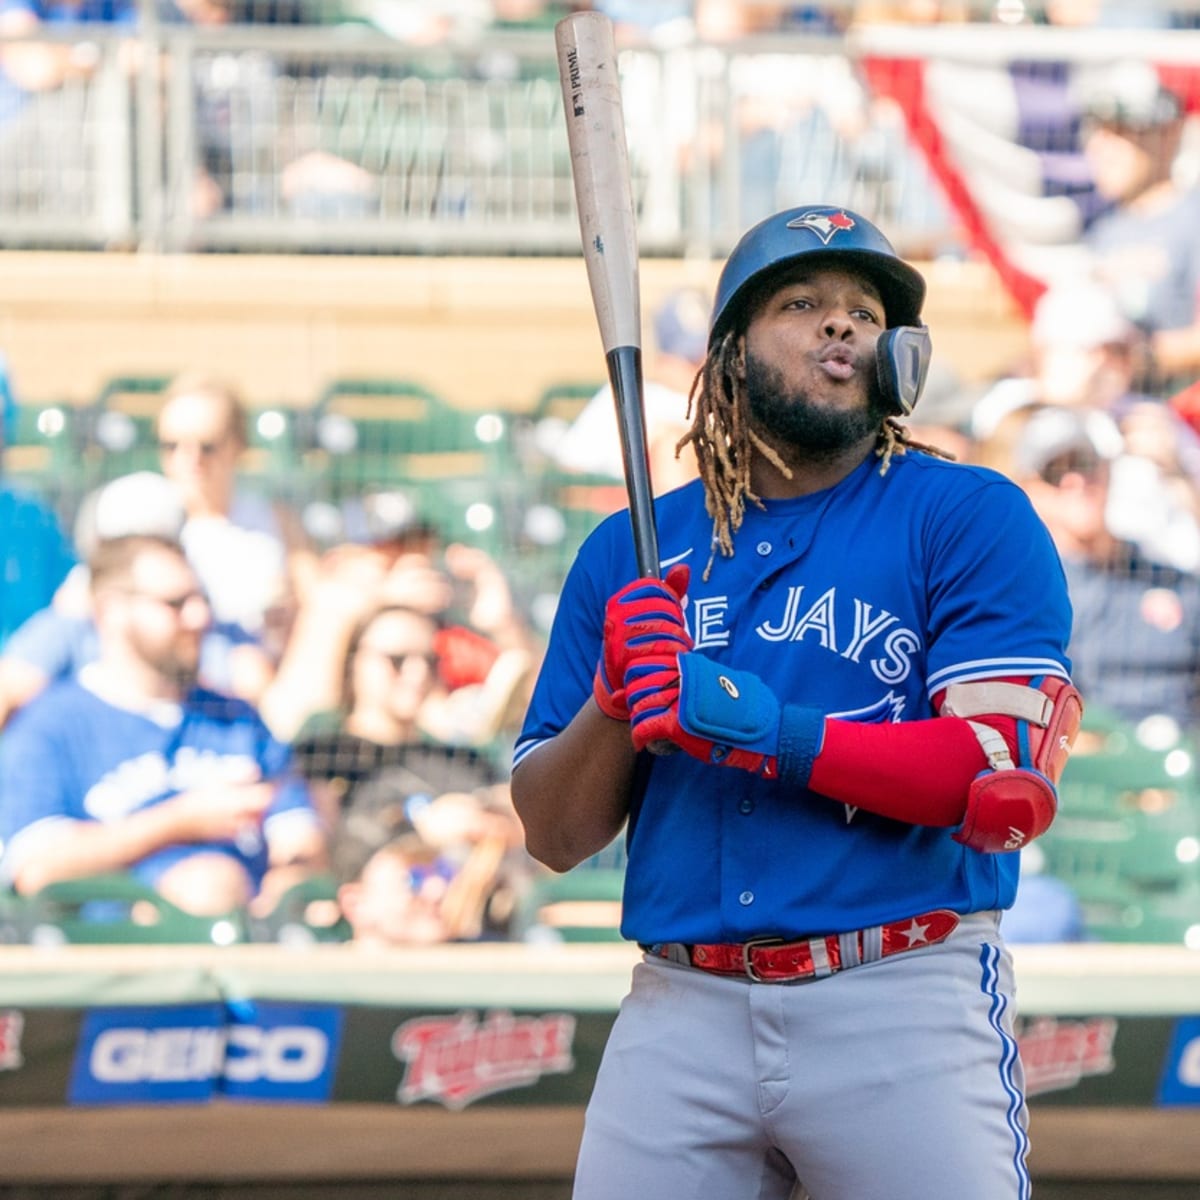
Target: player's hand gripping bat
(587,68)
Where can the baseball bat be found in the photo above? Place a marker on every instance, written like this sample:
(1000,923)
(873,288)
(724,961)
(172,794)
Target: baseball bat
(587,69)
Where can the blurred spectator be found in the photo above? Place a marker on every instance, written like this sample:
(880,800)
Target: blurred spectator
(251,553)
(795,128)
(1084,352)
(134,767)
(35,556)
(1147,247)
(391,884)
(592,444)
(390,678)
(485,647)
(943,416)
(1135,641)
(59,640)
(653,19)
(224,84)
(449,869)
(46,101)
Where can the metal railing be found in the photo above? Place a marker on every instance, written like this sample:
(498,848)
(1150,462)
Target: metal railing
(319,138)
(340,139)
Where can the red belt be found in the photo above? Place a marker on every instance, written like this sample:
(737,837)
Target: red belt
(769,960)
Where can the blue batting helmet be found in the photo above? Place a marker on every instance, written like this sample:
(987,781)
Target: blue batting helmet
(816,233)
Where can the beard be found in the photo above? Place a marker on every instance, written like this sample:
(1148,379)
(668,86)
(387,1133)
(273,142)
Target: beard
(792,417)
(178,662)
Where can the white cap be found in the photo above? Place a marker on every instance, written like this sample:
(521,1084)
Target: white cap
(1054,431)
(142,503)
(1080,315)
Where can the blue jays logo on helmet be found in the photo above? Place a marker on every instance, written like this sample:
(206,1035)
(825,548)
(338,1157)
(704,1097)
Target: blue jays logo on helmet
(822,234)
(823,224)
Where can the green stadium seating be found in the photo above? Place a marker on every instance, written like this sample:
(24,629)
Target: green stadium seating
(15,918)
(306,913)
(370,435)
(1127,835)
(42,454)
(117,908)
(564,401)
(583,905)
(120,438)
(120,427)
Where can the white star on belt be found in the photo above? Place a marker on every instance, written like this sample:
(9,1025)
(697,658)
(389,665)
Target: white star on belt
(915,933)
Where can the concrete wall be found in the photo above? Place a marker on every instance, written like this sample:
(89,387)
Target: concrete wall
(484,332)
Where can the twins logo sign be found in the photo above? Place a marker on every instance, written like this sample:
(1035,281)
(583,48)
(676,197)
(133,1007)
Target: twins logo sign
(457,1059)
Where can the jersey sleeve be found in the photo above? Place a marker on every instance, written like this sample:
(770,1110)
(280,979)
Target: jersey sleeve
(997,594)
(35,793)
(565,680)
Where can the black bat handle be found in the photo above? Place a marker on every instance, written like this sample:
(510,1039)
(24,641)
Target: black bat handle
(625,376)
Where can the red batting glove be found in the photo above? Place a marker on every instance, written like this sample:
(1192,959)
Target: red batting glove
(644,616)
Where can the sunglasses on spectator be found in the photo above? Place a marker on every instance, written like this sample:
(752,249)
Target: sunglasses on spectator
(421,873)
(399,657)
(1087,466)
(205,449)
(175,603)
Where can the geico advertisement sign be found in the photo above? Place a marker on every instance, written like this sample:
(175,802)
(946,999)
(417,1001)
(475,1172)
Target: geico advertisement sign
(190,1053)
(1181,1079)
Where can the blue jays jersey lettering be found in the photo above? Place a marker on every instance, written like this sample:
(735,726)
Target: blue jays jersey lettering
(79,758)
(863,601)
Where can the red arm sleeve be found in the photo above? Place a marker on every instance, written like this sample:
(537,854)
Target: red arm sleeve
(912,771)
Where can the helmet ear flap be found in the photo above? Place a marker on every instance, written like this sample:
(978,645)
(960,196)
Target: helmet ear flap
(901,364)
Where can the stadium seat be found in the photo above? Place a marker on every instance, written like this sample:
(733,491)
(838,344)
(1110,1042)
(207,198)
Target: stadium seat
(119,427)
(16,915)
(583,905)
(118,430)
(117,908)
(371,435)
(565,400)
(306,913)
(1127,835)
(41,454)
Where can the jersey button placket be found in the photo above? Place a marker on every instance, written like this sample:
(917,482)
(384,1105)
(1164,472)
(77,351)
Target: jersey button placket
(746,899)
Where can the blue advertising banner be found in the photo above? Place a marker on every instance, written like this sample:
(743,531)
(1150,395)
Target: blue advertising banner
(251,1050)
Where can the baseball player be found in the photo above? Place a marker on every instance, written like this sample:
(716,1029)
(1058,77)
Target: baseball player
(856,659)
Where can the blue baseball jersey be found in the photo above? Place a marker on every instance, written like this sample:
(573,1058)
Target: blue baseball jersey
(70,755)
(863,601)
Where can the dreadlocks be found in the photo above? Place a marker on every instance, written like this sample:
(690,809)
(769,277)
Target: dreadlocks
(723,439)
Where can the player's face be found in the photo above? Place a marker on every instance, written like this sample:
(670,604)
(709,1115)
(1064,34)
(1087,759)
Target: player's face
(164,615)
(810,362)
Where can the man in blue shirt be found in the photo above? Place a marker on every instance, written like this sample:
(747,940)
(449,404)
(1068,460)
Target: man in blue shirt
(134,767)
